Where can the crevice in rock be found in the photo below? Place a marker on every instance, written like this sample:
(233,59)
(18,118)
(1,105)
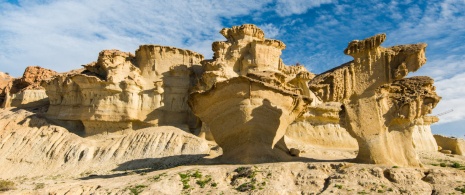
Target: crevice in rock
(326,185)
(425,178)
(387,175)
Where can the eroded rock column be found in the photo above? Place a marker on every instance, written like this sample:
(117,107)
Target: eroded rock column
(248,96)
(373,99)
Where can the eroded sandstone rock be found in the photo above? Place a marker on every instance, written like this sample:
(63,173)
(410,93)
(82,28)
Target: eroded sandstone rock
(423,139)
(4,80)
(320,127)
(26,91)
(125,91)
(380,110)
(248,96)
(454,145)
(32,147)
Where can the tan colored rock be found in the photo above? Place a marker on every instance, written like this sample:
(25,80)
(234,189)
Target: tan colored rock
(32,147)
(423,139)
(319,127)
(446,151)
(455,145)
(4,80)
(294,152)
(380,110)
(26,91)
(122,91)
(248,97)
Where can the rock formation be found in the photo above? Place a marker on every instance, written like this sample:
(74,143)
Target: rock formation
(423,139)
(248,96)
(31,146)
(4,80)
(246,99)
(320,127)
(455,145)
(26,91)
(125,91)
(379,109)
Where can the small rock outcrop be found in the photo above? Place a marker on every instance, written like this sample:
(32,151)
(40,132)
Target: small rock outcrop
(454,145)
(4,80)
(26,92)
(125,91)
(248,96)
(380,108)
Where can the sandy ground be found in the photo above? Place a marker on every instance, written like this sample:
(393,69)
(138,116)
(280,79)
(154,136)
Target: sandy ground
(316,172)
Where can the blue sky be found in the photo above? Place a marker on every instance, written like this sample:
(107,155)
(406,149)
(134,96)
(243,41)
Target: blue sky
(62,35)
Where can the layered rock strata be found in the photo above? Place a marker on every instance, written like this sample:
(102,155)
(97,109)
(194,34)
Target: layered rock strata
(380,110)
(31,146)
(26,92)
(248,96)
(125,91)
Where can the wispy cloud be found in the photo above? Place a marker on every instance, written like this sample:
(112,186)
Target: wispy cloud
(64,34)
(270,30)
(290,7)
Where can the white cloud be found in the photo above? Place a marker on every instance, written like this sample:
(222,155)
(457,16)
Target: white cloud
(62,35)
(270,30)
(441,25)
(290,7)
(442,68)
(453,92)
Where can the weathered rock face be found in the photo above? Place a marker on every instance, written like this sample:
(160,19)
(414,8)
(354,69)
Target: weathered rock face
(31,146)
(455,145)
(123,91)
(423,139)
(380,110)
(26,91)
(320,127)
(248,96)
(4,80)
